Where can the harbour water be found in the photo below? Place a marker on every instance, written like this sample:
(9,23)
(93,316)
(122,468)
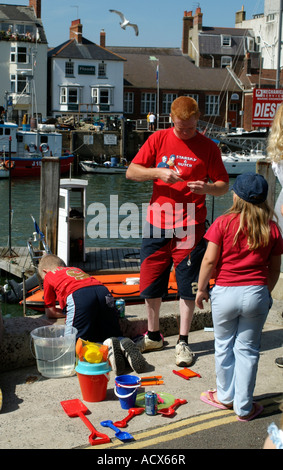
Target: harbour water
(114,192)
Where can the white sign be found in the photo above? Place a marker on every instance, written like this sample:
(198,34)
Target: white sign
(110,139)
(88,139)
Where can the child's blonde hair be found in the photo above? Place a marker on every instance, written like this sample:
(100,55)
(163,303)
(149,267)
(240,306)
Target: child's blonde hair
(49,262)
(254,221)
(275,138)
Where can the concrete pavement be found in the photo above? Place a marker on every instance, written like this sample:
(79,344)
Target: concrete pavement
(33,418)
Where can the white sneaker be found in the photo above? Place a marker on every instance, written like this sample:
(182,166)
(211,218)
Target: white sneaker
(145,344)
(133,355)
(184,356)
(115,356)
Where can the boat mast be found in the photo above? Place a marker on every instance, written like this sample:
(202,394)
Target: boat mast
(279,46)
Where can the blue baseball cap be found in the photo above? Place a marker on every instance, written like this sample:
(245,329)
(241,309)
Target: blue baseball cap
(251,187)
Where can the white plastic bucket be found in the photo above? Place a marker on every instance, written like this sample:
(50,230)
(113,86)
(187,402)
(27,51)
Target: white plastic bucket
(55,350)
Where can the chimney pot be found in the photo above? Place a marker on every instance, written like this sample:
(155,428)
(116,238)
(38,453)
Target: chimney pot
(76,31)
(36,5)
(187,25)
(198,18)
(102,38)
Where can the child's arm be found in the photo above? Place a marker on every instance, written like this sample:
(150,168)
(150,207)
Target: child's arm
(208,264)
(54,312)
(273,272)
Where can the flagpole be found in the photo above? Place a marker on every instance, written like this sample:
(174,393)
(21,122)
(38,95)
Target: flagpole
(157,80)
(153,58)
(279,46)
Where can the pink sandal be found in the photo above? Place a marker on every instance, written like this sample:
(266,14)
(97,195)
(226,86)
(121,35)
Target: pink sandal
(257,409)
(208,397)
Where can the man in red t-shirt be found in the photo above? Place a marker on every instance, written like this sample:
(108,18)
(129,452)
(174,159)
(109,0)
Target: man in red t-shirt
(184,166)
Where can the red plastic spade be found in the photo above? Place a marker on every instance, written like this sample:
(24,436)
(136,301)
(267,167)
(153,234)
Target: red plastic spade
(75,408)
(170,411)
(132,412)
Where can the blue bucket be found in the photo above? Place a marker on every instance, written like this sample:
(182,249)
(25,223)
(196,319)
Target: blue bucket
(126,390)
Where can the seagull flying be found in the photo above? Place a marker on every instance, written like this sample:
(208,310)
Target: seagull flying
(126,22)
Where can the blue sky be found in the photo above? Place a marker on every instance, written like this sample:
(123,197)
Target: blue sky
(159,21)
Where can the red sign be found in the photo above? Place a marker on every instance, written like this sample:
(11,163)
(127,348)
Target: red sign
(265,104)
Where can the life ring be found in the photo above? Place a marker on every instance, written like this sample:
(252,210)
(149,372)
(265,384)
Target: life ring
(31,147)
(44,148)
(9,164)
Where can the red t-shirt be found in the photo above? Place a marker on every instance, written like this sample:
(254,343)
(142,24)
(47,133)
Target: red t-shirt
(237,265)
(197,158)
(63,282)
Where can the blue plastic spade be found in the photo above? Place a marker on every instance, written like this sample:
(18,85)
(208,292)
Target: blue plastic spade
(122,435)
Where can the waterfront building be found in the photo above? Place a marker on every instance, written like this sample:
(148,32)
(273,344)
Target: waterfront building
(23,65)
(85,79)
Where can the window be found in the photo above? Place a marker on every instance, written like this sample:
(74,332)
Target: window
(103,97)
(69,69)
(226,61)
(26,30)
(270,18)
(5,132)
(94,94)
(250,44)
(148,103)
(19,83)
(102,70)
(233,107)
(167,100)
(226,40)
(63,95)
(19,54)
(212,105)
(129,102)
(194,96)
(70,96)
(73,95)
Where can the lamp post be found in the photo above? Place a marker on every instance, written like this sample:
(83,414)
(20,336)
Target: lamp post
(155,59)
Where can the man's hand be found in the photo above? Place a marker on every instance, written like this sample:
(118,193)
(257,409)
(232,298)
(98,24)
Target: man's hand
(169,176)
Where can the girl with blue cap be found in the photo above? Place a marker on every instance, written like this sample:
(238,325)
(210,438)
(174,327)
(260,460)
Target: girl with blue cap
(243,255)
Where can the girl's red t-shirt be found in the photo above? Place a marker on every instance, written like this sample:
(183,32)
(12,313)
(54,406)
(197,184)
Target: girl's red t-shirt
(238,265)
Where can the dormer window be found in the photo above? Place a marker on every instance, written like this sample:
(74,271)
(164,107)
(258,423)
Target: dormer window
(226,40)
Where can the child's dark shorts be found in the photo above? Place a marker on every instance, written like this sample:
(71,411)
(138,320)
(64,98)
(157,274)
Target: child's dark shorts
(92,311)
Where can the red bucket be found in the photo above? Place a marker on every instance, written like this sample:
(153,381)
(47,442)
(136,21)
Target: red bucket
(93,379)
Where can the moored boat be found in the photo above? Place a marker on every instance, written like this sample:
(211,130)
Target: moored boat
(125,286)
(236,163)
(27,147)
(89,166)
